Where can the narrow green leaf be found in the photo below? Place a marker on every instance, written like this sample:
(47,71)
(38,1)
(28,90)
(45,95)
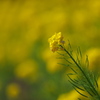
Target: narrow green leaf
(81,93)
(76,86)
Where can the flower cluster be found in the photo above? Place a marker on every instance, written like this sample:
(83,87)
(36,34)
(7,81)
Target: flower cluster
(55,42)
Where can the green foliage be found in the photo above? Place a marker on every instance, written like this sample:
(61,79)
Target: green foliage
(85,81)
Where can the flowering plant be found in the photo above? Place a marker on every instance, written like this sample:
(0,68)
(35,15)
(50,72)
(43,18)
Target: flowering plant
(85,82)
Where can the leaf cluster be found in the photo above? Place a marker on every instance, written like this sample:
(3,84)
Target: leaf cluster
(85,81)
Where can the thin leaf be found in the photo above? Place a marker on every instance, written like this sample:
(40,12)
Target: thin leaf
(76,86)
(87,62)
(81,93)
(63,64)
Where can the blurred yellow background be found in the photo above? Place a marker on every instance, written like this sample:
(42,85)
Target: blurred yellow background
(28,69)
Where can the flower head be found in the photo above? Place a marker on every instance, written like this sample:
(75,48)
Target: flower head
(55,41)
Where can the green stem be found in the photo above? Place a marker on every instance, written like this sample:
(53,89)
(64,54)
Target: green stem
(82,71)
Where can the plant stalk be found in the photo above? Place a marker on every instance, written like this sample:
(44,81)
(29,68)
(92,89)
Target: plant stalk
(96,93)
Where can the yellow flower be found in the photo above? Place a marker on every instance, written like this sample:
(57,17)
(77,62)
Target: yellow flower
(55,42)
(72,95)
(13,90)
(94,58)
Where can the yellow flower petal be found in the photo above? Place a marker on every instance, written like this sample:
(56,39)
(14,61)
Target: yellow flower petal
(55,41)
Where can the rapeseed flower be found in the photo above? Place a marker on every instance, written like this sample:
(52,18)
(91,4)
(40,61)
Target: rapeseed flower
(13,90)
(55,41)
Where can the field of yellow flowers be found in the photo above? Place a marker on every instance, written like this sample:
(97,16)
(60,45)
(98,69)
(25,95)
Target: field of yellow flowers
(28,69)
